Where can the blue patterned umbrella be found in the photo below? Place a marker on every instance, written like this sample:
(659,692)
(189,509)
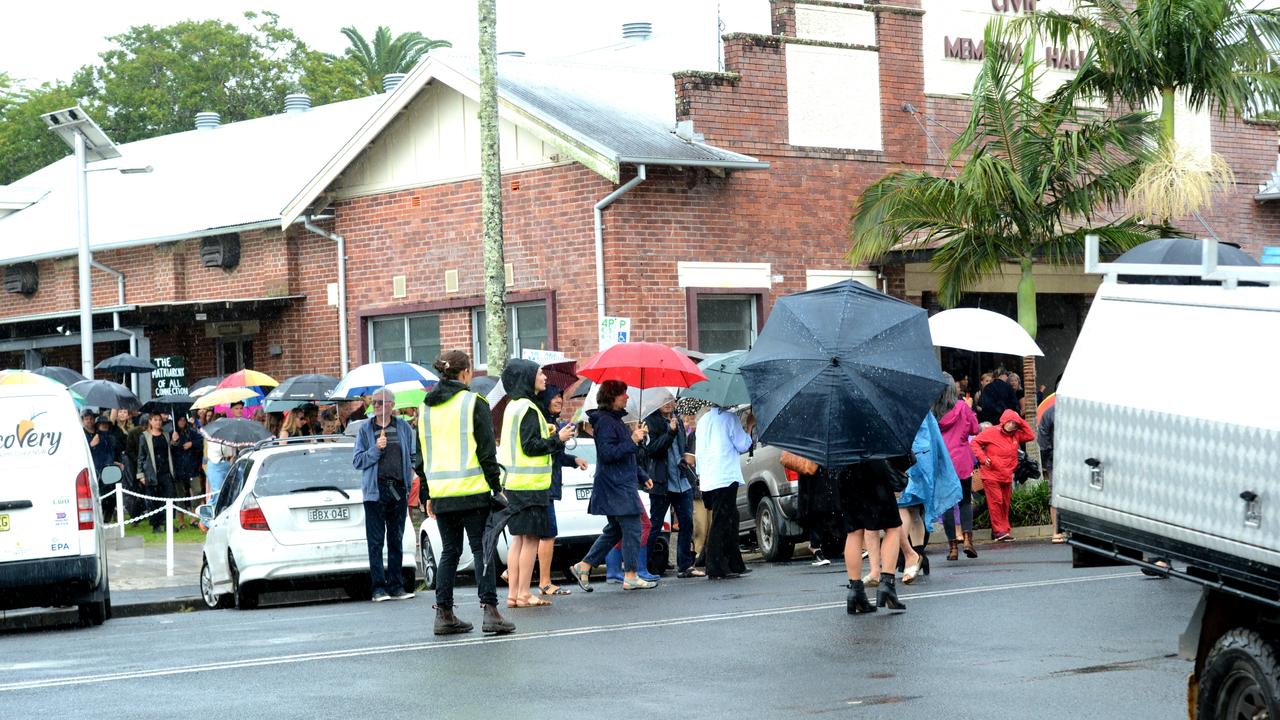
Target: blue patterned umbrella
(367,378)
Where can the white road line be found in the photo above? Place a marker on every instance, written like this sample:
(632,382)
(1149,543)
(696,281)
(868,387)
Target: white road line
(521,637)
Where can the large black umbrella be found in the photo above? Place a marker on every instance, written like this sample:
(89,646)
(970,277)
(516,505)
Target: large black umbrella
(125,364)
(209,382)
(170,404)
(842,374)
(304,387)
(1179,251)
(106,394)
(66,376)
(235,432)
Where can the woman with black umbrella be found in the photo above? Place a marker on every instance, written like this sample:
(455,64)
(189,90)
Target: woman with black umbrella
(869,506)
(187,452)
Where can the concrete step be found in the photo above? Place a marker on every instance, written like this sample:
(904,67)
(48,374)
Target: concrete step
(124,543)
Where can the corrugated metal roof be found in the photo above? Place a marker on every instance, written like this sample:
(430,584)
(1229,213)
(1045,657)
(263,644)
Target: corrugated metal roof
(203,181)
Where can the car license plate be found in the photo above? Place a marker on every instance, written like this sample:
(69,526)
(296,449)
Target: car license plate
(321,514)
(4,522)
(582,493)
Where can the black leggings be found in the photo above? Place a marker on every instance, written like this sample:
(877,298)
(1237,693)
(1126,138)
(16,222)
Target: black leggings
(966,512)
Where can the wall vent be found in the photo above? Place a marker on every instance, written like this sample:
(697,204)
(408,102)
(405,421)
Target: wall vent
(399,288)
(451,281)
(220,251)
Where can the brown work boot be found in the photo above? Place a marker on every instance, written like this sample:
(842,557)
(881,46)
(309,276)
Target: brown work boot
(969,550)
(448,624)
(954,553)
(494,622)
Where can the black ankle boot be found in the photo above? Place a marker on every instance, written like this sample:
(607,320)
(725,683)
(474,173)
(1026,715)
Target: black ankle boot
(448,624)
(857,601)
(887,595)
(924,560)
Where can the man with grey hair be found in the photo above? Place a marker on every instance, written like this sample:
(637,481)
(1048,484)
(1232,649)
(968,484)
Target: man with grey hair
(385,453)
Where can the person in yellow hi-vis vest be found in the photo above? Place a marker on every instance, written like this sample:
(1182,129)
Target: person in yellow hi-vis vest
(461,476)
(526,447)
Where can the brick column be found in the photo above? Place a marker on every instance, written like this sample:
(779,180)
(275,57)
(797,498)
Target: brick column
(783,14)
(900,35)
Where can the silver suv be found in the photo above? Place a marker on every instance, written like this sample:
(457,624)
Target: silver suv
(768,503)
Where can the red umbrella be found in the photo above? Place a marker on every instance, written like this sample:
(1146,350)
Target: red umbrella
(642,365)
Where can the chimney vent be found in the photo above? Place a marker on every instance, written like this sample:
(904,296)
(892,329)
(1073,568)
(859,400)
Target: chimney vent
(637,31)
(391,81)
(297,102)
(208,120)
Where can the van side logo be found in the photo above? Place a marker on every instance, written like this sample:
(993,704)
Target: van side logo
(27,439)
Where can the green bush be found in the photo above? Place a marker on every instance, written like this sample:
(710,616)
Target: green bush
(1030,506)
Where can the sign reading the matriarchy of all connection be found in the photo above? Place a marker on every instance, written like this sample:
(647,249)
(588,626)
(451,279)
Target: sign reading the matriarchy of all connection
(170,376)
(968,48)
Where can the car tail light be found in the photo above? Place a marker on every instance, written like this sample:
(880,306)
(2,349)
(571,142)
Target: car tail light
(792,475)
(84,500)
(251,517)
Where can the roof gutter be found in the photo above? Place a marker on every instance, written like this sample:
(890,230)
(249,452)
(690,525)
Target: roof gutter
(70,252)
(724,164)
(605,202)
(115,319)
(342,285)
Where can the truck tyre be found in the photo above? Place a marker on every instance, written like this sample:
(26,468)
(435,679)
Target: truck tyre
(773,546)
(1241,678)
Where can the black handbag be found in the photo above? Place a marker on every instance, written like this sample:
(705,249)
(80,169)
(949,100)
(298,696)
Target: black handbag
(1027,469)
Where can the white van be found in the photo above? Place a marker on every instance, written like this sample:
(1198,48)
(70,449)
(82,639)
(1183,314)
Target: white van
(52,546)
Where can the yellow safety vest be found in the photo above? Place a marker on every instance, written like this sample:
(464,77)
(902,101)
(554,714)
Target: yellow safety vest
(524,472)
(448,443)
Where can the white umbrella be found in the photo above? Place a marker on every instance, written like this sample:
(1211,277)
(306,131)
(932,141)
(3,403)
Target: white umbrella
(981,331)
(654,398)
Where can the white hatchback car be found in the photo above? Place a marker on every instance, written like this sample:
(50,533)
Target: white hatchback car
(577,529)
(290,516)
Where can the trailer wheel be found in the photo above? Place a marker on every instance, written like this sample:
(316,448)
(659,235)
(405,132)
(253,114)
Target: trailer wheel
(1241,678)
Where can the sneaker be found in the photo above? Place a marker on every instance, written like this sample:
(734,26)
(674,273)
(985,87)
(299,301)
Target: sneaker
(402,595)
(381,596)
(1005,537)
(819,559)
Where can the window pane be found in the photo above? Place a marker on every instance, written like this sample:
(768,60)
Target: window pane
(424,339)
(725,323)
(478,349)
(388,340)
(530,328)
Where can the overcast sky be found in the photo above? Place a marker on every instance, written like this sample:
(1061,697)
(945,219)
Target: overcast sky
(45,41)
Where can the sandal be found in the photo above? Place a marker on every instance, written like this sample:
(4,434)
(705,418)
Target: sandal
(912,571)
(638,584)
(691,573)
(583,577)
(546,590)
(513,603)
(533,602)
(869,580)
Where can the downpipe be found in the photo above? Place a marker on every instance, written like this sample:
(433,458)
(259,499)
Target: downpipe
(342,286)
(605,202)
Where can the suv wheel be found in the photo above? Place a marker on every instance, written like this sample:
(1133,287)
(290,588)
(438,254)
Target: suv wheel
(773,546)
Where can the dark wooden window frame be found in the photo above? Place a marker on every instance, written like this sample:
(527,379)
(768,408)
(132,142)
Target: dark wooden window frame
(692,294)
(364,315)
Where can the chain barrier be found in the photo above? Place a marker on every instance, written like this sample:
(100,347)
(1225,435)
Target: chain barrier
(170,505)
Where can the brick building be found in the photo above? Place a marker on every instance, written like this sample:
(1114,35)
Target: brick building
(736,188)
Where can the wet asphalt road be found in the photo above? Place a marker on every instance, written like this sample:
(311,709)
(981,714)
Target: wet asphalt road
(1016,633)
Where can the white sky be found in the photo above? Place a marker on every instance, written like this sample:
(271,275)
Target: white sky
(42,41)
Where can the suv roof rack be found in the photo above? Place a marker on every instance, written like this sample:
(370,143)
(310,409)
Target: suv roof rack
(297,440)
(1208,269)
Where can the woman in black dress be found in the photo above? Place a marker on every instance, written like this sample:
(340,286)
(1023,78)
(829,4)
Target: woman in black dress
(869,506)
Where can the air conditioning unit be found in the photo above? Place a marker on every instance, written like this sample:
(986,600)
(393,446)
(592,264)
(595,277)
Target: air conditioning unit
(221,251)
(22,279)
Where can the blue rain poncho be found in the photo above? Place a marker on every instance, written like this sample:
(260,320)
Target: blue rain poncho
(932,481)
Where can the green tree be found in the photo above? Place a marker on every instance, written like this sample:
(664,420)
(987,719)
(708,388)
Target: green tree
(1217,54)
(495,276)
(25,143)
(1035,174)
(387,54)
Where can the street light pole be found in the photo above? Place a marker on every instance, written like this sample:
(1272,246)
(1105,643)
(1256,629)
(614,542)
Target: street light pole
(85,260)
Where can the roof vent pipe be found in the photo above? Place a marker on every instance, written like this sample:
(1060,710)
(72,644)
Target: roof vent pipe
(391,81)
(208,120)
(637,31)
(297,102)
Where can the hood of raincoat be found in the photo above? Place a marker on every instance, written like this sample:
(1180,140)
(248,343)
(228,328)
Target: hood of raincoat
(444,391)
(1006,416)
(546,396)
(518,378)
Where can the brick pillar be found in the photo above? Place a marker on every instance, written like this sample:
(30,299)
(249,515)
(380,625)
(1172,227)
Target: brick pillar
(783,13)
(900,35)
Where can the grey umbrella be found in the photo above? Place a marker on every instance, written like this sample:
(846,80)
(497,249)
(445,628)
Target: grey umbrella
(66,376)
(1178,251)
(106,394)
(125,364)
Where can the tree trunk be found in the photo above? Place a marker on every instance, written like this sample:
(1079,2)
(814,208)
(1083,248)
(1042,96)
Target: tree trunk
(1027,318)
(1167,105)
(495,279)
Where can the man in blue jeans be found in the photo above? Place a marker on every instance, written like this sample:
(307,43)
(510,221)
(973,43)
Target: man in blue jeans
(668,443)
(385,452)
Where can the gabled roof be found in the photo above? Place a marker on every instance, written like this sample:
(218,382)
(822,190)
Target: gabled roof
(602,117)
(234,177)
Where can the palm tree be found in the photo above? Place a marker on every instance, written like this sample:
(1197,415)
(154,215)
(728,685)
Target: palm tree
(1035,174)
(1217,54)
(388,55)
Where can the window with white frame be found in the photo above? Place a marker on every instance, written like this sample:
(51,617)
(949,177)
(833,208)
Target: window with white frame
(726,322)
(411,338)
(526,330)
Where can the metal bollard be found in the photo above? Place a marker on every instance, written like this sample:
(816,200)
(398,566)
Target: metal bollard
(168,537)
(120,506)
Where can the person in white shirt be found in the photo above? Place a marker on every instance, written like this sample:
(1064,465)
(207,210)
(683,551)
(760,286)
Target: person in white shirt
(721,441)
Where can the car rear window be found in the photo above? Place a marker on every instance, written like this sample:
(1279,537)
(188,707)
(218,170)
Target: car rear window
(310,468)
(586,451)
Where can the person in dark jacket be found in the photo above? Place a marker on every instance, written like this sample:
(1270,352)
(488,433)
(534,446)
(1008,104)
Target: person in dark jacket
(613,492)
(527,449)
(995,398)
(453,493)
(552,401)
(1044,438)
(666,449)
(155,466)
(188,449)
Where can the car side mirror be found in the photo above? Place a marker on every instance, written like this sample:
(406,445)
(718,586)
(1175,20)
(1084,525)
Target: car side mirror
(206,513)
(111,475)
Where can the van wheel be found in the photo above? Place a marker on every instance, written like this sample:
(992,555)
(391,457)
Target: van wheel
(246,594)
(769,538)
(1240,678)
(212,600)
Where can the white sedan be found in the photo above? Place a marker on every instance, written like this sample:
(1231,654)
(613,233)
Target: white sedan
(577,529)
(290,515)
